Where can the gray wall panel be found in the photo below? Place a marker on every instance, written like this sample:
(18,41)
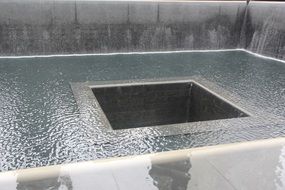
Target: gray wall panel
(267,29)
(60,27)
(56,27)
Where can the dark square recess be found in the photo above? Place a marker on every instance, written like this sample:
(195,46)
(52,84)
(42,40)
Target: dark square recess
(161,104)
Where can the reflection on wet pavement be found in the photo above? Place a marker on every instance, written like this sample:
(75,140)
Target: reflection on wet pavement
(171,174)
(233,166)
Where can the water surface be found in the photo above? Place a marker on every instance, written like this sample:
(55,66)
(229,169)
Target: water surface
(39,118)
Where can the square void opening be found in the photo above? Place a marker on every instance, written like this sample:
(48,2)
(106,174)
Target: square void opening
(161,104)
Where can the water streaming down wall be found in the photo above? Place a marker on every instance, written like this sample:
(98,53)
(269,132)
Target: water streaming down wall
(63,27)
(266,29)
(55,27)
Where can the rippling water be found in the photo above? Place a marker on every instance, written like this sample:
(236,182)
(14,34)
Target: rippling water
(39,117)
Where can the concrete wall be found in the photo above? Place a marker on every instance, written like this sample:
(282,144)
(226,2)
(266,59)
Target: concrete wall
(55,27)
(266,29)
(29,27)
